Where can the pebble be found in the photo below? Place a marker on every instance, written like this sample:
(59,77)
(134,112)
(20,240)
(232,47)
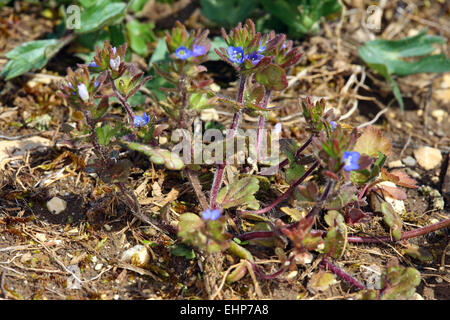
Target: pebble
(395,164)
(409,161)
(439,115)
(56,205)
(107,227)
(427,157)
(98,266)
(412,173)
(137,255)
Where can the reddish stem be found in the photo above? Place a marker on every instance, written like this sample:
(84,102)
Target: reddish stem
(287,193)
(405,235)
(298,153)
(341,273)
(218,176)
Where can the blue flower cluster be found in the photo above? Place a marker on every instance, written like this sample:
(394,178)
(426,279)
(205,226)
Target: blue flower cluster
(351,159)
(209,214)
(140,121)
(236,55)
(184,53)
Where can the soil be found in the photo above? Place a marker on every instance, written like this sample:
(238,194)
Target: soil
(37,246)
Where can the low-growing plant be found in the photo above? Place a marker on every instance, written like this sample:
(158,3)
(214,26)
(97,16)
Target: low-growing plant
(332,175)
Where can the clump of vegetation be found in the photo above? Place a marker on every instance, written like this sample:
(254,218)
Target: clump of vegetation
(332,184)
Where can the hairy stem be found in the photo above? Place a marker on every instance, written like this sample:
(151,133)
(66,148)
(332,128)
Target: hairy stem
(287,193)
(195,182)
(218,175)
(261,122)
(298,153)
(341,273)
(122,99)
(405,235)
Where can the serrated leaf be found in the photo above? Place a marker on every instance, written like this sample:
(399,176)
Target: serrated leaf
(336,239)
(371,142)
(272,77)
(321,281)
(119,172)
(392,219)
(105,134)
(418,253)
(399,283)
(399,177)
(240,192)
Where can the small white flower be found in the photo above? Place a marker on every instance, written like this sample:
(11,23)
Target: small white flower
(114,63)
(114,50)
(83,92)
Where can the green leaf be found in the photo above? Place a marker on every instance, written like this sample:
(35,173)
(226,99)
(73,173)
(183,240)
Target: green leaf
(106,133)
(273,77)
(240,192)
(386,57)
(240,251)
(157,155)
(103,13)
(399,283)
(137,5)
(140,34)
(161,53)
(181,250)
(228,12)
(300,16)
(28,56)
(336,239)
(119,172)
(216,43)
(392,219)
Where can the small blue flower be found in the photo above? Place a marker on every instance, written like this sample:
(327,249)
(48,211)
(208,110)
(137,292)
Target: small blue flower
(209,214)
(183,53)
(254,57)
(93,65)
(236,54)
(141,121)
(351,159)
(198,50)
(262,47)
(333,125)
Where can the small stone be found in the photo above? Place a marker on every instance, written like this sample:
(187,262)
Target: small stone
(98,266)
(435,179)
(56,205)
(439,115)
(107,227)
(395,164)
(138,256)
(416,296)
(409,161)
(41,237)
(412,173)
(209,115)
(427,157)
